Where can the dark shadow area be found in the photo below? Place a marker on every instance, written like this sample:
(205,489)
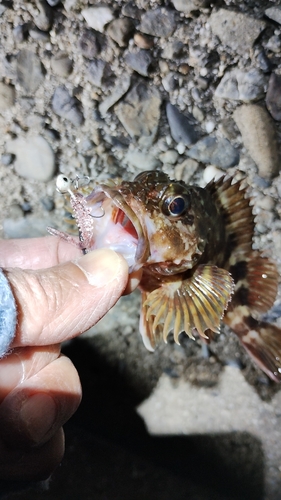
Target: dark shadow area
(110,455)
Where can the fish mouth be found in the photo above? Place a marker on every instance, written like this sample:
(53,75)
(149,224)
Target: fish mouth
(117,226)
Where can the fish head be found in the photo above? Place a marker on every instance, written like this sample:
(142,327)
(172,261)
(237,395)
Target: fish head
(151,221)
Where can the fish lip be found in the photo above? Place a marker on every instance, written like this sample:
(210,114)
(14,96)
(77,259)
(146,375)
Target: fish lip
(142,251)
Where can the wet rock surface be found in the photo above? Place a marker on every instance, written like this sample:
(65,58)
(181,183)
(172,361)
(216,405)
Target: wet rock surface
(109,89)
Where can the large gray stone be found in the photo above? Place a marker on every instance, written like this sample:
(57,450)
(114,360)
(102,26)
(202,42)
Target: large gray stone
(236,29)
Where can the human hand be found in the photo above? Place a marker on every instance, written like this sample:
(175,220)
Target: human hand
(59,294)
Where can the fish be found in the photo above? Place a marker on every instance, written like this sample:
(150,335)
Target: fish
(194,246)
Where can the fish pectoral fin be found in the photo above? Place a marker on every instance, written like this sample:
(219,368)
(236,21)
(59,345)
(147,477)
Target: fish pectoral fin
(181,305)
(263,283)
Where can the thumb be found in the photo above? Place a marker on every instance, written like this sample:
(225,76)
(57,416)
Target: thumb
(61,302)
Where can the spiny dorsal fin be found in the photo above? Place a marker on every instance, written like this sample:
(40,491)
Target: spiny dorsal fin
(256,280)
(182,305)
(239,219)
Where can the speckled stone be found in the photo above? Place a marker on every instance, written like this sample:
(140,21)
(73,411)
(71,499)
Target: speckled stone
(259,137)
(159,22)
(29,70)
(35,158)
(66,106)
(236,29)
(121,87)
(89,44)
(242,85)
(139,61)
(218,152)
(139,113)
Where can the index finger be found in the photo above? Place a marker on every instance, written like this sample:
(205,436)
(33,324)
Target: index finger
(36,253)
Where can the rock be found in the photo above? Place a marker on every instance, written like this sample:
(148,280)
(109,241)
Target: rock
(173,50)
(159,22)
(44,19)
(66,106)
(29,71)
(139,113)
(259,137)
(98,17)
(35,158)
(264,62)
(274,44)
(130,9)
(143,41)
(185,170)
(218,152)
(273,96)
(170,157)
(2,9)
(170,82)
(187,6)
(7,96)
(99,72)
(274,13)
(236,29)
(139,61)
(121,87)
(242,85)
(120,30)
(141,160)
(181,125)
(61,64)
(89,44)
(39,35)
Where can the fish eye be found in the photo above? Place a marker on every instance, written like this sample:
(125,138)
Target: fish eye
(175,206)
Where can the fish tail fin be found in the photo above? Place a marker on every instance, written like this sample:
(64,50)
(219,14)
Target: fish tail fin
(261,340)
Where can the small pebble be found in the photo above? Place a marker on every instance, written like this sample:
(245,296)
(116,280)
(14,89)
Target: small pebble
(99,73)
(170,156)
(44,19)
(139,61)
(187,6)
(120,30)
(29,70)
(7,96)
(61,64)
(181,125)
(218,152)
(180,147)
(121,87)
(236,29)
(274,13)
(143,41)
(210,126)
(139,113)
(242,85)
(160,22)
(89,44)
(130,9)
(98,17)
(66,106)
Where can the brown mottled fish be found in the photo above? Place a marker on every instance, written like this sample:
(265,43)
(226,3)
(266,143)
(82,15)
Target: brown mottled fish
(195,248)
